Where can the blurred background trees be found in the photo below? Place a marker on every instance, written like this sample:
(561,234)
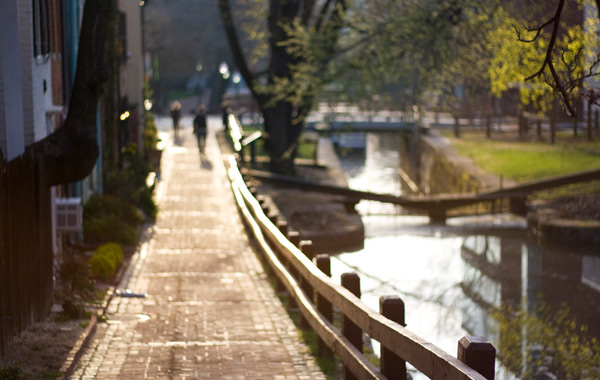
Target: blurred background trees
(474,59)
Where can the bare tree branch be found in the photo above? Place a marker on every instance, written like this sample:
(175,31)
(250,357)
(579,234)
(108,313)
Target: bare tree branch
(558,85)
(323,14)
(307,11)
(524,40)
(548,58)
(570,110)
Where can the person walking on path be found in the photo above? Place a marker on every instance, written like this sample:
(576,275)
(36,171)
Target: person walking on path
(200,128)
(176,116)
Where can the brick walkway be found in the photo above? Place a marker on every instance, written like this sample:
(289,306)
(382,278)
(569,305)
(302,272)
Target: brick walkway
(210,312)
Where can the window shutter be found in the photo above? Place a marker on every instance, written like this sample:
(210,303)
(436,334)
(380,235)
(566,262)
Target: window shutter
(45,26)
(41,27)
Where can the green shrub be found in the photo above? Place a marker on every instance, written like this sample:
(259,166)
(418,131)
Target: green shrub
(109,227)
(113,250)
(129,184)
(108,204)
(106,260)
(150,132)
(74,275)
(106,218)
(102,267)
(147,204)
(11,371)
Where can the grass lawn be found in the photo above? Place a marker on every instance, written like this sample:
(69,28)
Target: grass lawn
(528,160)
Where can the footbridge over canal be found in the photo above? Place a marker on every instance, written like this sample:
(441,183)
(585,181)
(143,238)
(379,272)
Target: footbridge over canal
(341,126)
(437,206)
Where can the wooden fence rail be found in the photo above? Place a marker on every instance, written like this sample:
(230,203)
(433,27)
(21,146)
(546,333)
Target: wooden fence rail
(26,259)
(310,282)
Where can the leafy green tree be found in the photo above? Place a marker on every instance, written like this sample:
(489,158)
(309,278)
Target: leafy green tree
(300,39)
(551,58)
(430,49)
(546,343)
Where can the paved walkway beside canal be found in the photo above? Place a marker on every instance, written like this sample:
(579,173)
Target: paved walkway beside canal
(210,311)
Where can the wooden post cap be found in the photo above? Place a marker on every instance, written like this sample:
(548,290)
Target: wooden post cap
(282,225)
(306,246)
(392,307)
(273,217)
(323,262)
(351,281)
(479,354)
(294,237)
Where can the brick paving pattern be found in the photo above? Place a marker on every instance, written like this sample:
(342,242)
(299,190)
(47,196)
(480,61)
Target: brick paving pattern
(210,312)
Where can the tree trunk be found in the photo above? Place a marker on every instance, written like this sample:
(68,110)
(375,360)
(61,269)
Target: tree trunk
(456,127)
(283,135)
(589,120)
(553,123)
(70,153)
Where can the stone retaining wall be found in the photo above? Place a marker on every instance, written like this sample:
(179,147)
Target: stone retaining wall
(437,168)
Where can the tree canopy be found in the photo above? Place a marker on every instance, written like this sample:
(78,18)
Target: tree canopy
(302,39)
(447,54)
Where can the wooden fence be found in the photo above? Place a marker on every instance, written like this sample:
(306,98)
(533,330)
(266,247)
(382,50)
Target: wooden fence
(26,283)
(306,280)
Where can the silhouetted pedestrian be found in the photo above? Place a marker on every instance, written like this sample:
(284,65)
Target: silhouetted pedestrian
(200,127)
(176,116)
(226,111)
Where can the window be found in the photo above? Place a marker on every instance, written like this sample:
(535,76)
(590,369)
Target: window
(41,28)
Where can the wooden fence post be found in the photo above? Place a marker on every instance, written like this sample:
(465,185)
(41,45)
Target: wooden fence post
(282,225)
(351,331)
(325,307)
(392,366)
(253,153)
(265,207)
(307,247)
(294,237)
(479,354)
(273,218)
(589,120)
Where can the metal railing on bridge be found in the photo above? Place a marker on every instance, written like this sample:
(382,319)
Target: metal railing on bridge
(306,280)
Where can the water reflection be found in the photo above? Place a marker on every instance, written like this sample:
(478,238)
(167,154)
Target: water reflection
(539,305)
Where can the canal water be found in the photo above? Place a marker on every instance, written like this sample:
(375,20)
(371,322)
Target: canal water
(538,304)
